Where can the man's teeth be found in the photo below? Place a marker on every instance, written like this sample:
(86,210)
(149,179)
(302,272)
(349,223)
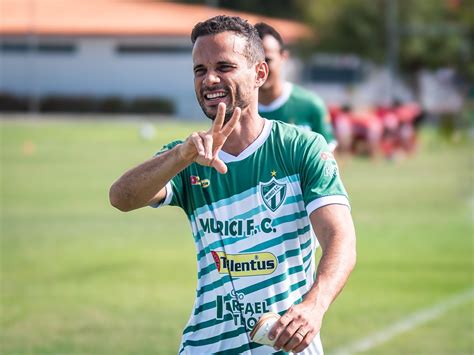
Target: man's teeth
(215,95)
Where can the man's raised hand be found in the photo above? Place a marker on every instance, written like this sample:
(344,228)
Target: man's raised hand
(203,147)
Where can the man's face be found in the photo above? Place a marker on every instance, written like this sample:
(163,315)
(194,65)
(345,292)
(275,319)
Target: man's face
(275,58)
(222,73)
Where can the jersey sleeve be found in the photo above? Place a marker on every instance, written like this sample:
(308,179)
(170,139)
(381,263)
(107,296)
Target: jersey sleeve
(174,187)
(320,179)
(322,123)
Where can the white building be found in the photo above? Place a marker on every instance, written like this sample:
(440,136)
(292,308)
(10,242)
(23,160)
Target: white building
(103,48)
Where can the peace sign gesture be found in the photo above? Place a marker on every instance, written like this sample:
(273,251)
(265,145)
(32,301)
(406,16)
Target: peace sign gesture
(203,147)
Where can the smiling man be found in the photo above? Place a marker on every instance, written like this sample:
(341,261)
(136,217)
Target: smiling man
(252,189)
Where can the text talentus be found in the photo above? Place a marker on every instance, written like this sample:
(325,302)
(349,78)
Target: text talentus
(245,264)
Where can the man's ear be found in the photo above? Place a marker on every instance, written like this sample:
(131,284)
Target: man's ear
(262,73)
(285,54)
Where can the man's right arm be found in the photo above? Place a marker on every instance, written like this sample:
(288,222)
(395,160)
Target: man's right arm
(144,185)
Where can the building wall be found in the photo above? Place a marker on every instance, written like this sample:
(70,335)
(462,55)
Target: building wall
(94,66)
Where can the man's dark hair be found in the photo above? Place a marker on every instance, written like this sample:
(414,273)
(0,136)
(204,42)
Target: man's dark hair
(264,29)
(218,24)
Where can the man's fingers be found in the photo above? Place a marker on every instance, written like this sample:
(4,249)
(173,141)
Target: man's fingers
(295,340)
(229,127)
(219,165)
(285,335)
(295,329)
(198,143)
(207,142)
(304,343)
(279,327)
(219,120)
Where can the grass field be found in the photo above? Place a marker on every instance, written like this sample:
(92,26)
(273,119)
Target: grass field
(78,277)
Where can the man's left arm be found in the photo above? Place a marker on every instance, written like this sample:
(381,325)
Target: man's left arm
(335,232)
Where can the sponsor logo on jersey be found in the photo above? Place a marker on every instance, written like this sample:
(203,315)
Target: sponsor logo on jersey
(330,165)
(243,313)
(330,170)
(326,156)
(240,265)
(273,194)
(196,180)
(236,227)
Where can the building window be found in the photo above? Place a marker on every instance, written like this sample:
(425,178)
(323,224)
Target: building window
(334,75)
(333,69)
(132,49)
(43,48)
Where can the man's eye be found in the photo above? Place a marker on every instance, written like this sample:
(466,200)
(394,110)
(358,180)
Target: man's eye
(198,72)
(226,67)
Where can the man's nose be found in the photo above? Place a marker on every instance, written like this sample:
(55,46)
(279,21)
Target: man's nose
(211,78)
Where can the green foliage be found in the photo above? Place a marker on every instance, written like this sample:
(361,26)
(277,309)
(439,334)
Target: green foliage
(431,33)
(348,26)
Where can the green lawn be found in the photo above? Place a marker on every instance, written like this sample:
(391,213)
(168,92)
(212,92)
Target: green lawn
(78,277)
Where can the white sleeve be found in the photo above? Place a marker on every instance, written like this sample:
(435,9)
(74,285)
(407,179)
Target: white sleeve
(169,196)
(327,200)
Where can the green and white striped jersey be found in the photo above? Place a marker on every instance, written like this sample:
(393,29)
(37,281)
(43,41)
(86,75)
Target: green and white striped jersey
(254,241)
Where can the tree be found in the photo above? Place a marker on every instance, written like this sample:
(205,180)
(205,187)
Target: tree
(432,33)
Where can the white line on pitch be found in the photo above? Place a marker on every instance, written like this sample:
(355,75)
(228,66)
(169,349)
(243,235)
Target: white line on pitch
(410,322)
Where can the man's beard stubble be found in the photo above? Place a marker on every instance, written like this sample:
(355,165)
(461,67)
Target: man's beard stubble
(238,102)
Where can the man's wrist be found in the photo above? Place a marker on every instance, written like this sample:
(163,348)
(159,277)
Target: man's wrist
(315,299)
(184,156)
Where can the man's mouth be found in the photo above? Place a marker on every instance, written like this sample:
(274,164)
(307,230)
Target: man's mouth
(215,97)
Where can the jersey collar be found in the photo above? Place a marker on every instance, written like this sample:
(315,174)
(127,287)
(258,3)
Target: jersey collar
(279,101)
(229,158)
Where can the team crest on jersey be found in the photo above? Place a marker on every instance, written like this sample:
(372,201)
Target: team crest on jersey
(273,194)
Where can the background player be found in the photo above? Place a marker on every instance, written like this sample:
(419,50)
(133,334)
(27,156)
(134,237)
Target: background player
(281,100)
